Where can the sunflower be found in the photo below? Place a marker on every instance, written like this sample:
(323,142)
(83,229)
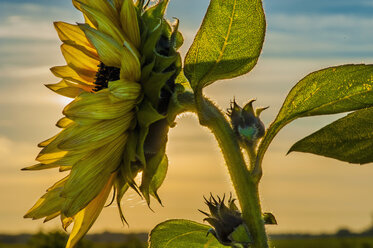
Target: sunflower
(121,66)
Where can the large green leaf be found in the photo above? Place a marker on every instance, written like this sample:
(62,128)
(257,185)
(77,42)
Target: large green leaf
(348,139)
(328,91)
(228,43)
(182,234)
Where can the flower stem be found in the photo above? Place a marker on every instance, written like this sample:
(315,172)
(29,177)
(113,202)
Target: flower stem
(244,181)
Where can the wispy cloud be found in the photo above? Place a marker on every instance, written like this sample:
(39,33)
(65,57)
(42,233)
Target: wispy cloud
(19,27)
(16,155)
(319,36)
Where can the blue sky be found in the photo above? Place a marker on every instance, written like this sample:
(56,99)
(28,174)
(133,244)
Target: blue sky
(303,191)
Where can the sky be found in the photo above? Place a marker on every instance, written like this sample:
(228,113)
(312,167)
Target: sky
(306,193)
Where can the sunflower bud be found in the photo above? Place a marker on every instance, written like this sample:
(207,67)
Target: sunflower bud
(246,123)
(227,223)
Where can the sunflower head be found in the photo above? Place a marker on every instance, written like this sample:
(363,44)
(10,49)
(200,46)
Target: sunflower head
(121,66)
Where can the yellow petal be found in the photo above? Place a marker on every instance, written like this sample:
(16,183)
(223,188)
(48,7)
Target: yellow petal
(40,167)
(65,168)
(64,122)
(49,204)
(47,142)
(63,89)
(66,221)
(85,66)
(52,216)
(89,176)
(68,160)
(50,157)
(97,106)
(85,121)
(98,134)
(128,18)
(87,19)
(105,24)
(51,152)
(74,36)
(86,217)
(103,5)
(125,90)
(130,66)
(69,74)
(108,49)
(58,184)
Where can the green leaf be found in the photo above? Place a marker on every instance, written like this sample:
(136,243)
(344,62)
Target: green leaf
(182,234)
(241,235)
(348,139)
(228,42)
(329,91)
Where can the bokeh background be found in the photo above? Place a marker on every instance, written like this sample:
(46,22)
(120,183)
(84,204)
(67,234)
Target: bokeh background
(305,192)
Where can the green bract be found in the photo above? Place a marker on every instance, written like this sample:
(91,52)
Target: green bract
(160,64)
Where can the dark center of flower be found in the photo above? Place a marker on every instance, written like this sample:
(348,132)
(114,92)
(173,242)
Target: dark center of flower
(104,75)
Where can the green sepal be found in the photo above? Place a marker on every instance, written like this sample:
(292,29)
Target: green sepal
(174,106)
(51,202)
(177,39)
(159,178)
(163,62)
(129,158)
(146,116)
(269,219)
(152,87)
(155,12)
(156,138)
(172,32)
(147,70)
(154,175)
(151,41)
(121,188)
(241,236)
(182,80)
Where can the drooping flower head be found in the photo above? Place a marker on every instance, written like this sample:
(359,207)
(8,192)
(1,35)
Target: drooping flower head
(121,69)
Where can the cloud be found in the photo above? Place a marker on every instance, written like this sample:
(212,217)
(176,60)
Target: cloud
(16,155)
(32,20)
(356,7)
(18,27)
(319,36)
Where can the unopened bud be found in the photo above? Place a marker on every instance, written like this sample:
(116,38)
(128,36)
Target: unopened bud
(246,123)
(227,224)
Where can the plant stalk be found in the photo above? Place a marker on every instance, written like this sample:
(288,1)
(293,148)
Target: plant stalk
(245,184)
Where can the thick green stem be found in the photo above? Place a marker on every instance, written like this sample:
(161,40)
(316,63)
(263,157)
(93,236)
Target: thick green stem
(245,184)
